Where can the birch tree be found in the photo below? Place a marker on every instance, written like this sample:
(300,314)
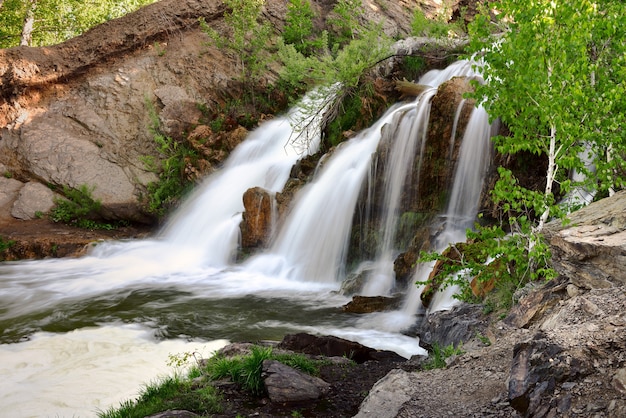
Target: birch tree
(553,92)
(555,76)
(46,22)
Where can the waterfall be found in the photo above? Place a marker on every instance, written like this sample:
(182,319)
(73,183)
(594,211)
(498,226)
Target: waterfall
(410,134)
(462,209)
(312,244)
(209,219)
(184,283)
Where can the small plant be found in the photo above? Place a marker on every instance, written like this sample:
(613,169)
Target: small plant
(483,339)
(8,174)
(5,245)
(78,208)
(299,30)
(247,38)
(160,49)
(172,183)
(439,355)
(246,370)
(439,27)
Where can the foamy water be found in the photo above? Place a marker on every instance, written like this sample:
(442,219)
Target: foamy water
(79,373)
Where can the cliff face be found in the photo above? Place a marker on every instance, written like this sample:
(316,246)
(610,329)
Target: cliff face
(80,112)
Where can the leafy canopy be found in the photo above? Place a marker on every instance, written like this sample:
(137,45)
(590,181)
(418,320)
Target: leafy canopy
(554,75)
(58,20)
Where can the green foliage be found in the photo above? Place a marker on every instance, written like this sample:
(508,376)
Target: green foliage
(335,73)
(246,370)
(433,28)
(58,20)
(505,256)
(344,21)
(78,208)
(171,393)
(247,40)
(546,81)
(347,118)
(413,67)
(299,30)
(439,26)
(172,184)
(5,245)
(439,354)
(552,80)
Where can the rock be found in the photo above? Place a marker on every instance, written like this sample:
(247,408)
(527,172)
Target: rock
(33,199)
(174,414)
(369,304)
(535,304)
(460,324)
(330,346)
(388,395)
(572,359)
(285,384)
(591,249)
(619,381)
(9,190)
(539,365)
(60,151)
(257,218)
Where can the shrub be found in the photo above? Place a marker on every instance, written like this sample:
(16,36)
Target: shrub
(79,209)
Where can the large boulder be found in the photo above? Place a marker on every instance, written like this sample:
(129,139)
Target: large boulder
(571,365)
(590,249)
(286,384)
(256,224)
(33,200)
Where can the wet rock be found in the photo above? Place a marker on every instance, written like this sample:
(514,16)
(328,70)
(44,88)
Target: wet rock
(330,346)
(369,304)
(256,224)
(285,384)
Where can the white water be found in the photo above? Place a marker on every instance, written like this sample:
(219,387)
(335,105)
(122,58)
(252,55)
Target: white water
(84,371)
(409,140)
(208,223)
(185,283)
(473,163)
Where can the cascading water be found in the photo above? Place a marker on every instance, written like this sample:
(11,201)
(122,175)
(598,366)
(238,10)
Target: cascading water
(473,163)
(183,285)
(210,219)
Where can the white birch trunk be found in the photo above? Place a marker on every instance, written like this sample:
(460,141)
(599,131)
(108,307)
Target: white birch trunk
(29,23)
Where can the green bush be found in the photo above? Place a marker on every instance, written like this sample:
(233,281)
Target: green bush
(246,370)
(79,209)
(299,30)
(5,245)
(172,184)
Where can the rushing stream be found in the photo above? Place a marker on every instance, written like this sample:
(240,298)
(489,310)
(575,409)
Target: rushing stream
(82,334)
